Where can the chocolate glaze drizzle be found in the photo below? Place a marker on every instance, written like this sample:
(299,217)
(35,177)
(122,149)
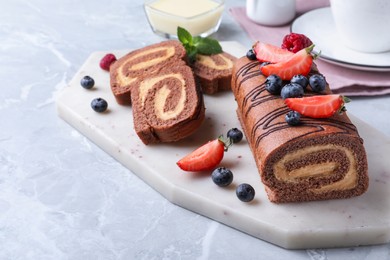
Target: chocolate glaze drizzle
(271,122)
(246,71)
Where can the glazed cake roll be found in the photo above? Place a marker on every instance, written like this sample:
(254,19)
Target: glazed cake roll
(214,72)
(126,70)
(167,105)
(320,159)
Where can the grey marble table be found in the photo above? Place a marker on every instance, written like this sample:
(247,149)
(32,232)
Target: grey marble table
(61,197)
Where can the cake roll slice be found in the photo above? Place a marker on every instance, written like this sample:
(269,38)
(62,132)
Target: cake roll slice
(214,72)
(167,105)
(319,159)
(126,70)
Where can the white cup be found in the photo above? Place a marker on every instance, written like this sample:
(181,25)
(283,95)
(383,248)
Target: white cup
(270,12)
(363,25)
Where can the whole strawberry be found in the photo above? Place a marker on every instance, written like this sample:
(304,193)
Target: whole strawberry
(106,61)
(295,42)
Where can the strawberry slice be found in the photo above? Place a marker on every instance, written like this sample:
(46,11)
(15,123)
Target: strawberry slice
(268,52)
(206,157)
(298,63)
(321,106)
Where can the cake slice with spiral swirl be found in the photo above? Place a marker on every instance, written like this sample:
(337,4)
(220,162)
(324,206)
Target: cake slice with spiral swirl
(167,104)
(125,72)
(214,72)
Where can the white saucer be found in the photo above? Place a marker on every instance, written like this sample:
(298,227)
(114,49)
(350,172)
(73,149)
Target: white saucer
(319,26)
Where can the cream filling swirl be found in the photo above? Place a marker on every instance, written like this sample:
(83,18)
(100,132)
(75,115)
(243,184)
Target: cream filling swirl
(162,95)
(349,180)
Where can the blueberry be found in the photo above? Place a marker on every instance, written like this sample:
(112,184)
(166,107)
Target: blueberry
(222,176)
(292,90)
(245,192)
(317,83)
(273,84)
(293,118)
(251,54)
(87,82)
(301,80)
(235,135)
(99,105)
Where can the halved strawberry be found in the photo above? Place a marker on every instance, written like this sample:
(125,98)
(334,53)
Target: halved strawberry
(299,63)
(205,157)
(321,106)
(271,53)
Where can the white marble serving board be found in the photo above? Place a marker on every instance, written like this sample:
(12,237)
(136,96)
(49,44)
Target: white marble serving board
(363,220)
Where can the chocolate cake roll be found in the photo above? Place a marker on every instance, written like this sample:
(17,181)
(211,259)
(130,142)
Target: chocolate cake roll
(214,72)
(167,105)
(126,70)
(319,159)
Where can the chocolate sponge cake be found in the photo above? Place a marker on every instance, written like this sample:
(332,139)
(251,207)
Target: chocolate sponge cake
(318,160)
(167,105)
(126,70)
(166,102)
(214,72)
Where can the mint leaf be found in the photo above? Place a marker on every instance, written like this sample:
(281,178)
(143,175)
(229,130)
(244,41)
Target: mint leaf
(195,45)
(184,36)
(207,46)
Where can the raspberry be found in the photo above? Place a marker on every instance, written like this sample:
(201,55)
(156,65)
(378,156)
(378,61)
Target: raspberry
(106,61)
(295,42)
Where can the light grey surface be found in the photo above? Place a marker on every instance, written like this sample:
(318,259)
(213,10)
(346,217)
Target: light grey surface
(61,197)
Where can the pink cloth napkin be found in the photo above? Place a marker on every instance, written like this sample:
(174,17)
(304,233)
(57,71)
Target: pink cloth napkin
(342,80)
